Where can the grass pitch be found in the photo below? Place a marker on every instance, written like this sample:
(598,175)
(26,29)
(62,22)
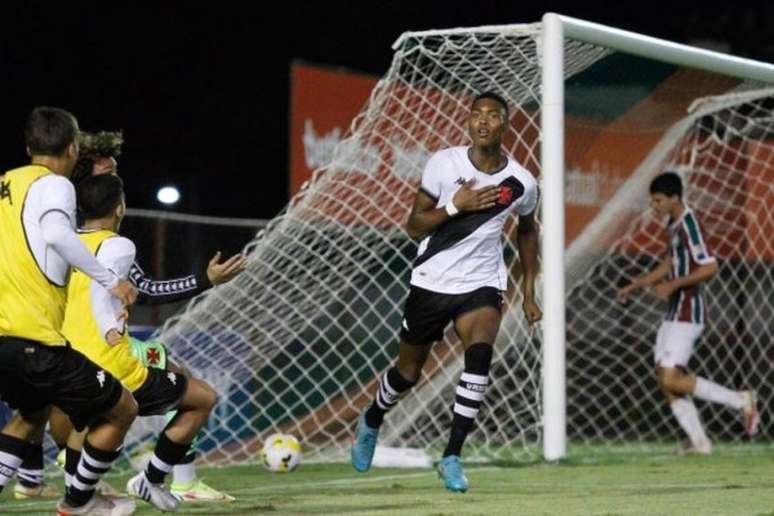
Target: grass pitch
(736,480)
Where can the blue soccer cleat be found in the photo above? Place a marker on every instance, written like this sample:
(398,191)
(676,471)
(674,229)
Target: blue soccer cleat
(364,446)
(450,471)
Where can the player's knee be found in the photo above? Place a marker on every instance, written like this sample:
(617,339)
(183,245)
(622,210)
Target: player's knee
(410,372)
(126,409)
(205,394)
(669,379)
(211,398)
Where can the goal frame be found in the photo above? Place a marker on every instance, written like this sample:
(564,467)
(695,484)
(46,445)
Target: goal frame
(556,29)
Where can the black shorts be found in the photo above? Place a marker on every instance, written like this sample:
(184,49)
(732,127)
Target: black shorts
(161,392)
(427,313)
(33,376)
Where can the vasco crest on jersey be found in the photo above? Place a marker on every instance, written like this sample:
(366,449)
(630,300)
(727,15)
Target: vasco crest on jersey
(510,190)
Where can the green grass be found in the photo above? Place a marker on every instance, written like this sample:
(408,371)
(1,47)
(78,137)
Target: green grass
(736,480)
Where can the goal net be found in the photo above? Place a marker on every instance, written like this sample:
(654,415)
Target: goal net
(297,343)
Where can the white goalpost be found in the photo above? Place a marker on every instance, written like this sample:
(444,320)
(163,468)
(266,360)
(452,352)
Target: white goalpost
(297,343)
(555,29)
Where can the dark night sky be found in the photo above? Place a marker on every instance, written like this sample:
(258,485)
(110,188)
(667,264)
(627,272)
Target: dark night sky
(202,92)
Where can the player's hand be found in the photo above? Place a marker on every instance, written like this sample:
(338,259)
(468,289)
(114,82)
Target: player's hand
(468,199)
(663,290)
(623,294)
(113,337)
(532,311)
(125,292)
(219,273)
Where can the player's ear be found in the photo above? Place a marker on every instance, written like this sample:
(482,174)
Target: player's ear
(121,209)
(72,151)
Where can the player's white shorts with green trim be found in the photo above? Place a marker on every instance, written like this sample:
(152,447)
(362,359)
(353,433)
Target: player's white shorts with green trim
(150,353)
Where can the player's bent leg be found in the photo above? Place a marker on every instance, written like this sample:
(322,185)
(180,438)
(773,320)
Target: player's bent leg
(195,405)
(398,380)
(101,448)
(677,385)
(477,326)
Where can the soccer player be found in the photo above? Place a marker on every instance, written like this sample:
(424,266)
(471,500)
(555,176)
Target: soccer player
(679,278)
(459,274)
(94,329)
(98,155)
(38,368)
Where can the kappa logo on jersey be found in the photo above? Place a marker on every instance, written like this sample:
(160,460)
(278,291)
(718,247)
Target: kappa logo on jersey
(5,191)
(101,377)
(461,181)
(172,377)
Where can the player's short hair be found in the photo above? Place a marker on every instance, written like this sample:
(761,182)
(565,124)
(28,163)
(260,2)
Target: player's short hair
(668,184)
(49,131)
(493,96)
(104,144)
(99,195)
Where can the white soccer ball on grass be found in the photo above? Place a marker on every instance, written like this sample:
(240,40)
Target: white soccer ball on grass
(281,453)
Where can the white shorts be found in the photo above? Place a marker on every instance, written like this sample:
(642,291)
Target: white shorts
(674,343)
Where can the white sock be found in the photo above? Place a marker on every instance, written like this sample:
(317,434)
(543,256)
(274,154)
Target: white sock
(686,414)
(9,463)
(711,391)
(184,473)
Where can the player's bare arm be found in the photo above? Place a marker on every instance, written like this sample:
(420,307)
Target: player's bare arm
(646,280)
(527,241)
(700,275)
(425,217)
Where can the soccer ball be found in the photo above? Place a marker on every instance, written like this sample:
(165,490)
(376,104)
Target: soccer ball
(281,453)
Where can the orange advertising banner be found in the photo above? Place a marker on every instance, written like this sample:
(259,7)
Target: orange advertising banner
(323,103)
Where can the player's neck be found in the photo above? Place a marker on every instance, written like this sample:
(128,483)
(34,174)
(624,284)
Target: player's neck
(106,224)
(487,159)
(54,164)
(677,211)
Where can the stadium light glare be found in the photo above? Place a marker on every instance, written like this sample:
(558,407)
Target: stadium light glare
(168,195)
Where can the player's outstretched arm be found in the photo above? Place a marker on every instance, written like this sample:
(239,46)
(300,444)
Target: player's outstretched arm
(527,241)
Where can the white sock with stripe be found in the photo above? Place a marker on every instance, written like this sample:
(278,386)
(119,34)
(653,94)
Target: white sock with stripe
(392,386)
(92,465)
(716,393)
(469,395)
(12,453)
